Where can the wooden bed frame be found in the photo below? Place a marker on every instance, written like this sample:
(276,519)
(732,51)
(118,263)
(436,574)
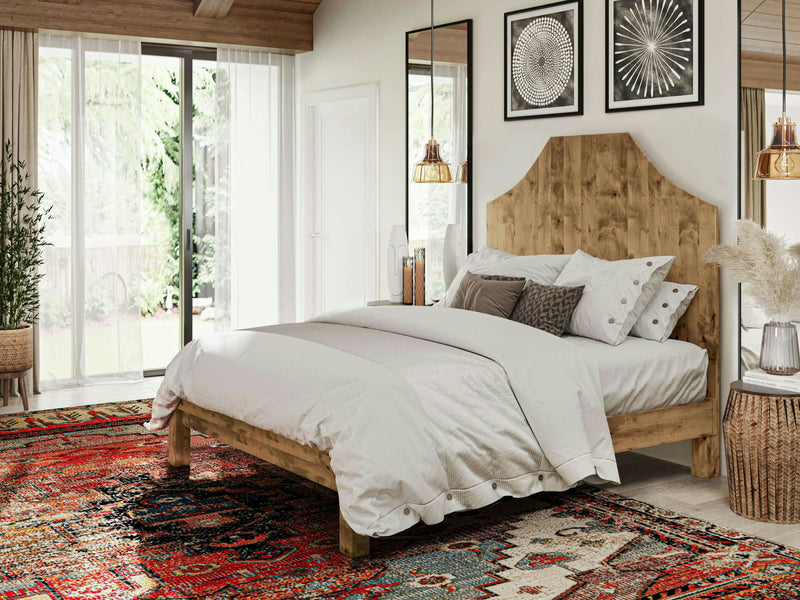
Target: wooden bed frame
(599,193)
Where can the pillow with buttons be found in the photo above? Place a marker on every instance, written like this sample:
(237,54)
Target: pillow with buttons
(664,311)
(615,293)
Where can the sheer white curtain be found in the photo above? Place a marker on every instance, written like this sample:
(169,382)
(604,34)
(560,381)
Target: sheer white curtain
(454,140)
(460,125)
(89,169)
(254,264)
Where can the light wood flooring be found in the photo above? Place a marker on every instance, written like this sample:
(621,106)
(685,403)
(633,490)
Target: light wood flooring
(664,484)
(672,486)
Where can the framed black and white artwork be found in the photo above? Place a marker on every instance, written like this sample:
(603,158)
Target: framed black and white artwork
(654,54)
(544,61)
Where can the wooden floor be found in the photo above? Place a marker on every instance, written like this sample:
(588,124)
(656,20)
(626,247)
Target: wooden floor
(82,396)
(661,483)
(672,486)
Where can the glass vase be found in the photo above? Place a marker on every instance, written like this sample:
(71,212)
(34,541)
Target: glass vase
(779,351)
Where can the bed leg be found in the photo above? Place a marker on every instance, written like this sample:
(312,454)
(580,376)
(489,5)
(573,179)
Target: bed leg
(705,457)
(351,544)
(180,441)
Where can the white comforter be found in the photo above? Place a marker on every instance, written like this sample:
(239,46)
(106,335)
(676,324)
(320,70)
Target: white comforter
(423,412)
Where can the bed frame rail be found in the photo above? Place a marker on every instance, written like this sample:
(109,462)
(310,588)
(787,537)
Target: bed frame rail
(308,462)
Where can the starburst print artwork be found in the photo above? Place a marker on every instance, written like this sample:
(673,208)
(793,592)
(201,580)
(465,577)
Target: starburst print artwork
(655,53)
(655,47)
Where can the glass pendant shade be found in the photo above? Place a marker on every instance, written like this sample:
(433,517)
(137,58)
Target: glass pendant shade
(462,175)
(432,169)
(781,159)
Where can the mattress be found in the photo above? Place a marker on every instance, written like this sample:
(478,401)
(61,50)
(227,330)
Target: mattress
(640,375)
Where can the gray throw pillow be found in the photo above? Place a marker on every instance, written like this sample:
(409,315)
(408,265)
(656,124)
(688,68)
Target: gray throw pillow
(490,296)
(547,307)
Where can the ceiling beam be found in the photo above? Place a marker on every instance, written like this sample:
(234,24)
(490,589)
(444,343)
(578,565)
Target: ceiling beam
(213,9)
(281,25)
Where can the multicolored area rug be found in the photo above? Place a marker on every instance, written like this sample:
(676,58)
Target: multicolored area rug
(95,513)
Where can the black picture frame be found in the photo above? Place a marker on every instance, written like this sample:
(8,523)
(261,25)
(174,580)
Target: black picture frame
(516,106)
(615,81)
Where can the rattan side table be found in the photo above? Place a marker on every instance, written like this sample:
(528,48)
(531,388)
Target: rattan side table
(762,448)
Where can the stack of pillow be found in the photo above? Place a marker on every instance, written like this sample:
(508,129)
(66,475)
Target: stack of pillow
(579,294)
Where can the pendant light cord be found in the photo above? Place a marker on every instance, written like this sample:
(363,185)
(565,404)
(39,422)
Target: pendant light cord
(432,89)
(784,54)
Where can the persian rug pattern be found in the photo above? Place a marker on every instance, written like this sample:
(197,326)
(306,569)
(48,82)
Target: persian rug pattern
(95,513)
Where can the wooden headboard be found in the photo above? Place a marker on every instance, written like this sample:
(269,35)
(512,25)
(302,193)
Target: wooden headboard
(603,195)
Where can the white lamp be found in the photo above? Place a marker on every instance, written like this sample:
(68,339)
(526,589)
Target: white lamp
(398,248)
(453,253)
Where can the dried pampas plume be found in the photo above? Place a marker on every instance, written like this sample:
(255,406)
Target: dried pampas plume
(766,266)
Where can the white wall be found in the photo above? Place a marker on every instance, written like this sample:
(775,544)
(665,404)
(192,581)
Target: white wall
(363,41)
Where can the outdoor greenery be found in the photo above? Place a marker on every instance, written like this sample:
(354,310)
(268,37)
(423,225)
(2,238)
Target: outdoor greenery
(22,227)
(161,168)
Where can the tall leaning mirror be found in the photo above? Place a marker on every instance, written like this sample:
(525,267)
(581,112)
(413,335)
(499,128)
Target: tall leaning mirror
(431,207)
(772,204)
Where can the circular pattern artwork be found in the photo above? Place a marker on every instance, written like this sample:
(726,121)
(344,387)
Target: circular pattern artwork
(653,49)
(543,61)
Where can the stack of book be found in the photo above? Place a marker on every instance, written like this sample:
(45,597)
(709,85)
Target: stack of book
(787,383)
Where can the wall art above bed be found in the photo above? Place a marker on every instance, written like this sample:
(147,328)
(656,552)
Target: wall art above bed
(654,54)
(544,61)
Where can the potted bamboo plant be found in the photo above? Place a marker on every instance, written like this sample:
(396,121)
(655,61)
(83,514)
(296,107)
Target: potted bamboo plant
(22,225)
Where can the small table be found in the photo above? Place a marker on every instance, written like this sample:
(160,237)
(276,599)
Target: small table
(762,448)
(390,303)
(5,381)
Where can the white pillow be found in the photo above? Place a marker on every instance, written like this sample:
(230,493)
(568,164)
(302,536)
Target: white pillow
(665,309)
(615,293)
(541,268)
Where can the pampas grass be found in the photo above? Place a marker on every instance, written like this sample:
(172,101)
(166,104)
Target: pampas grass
(767,268)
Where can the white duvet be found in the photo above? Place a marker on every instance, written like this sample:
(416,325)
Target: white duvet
(423,412)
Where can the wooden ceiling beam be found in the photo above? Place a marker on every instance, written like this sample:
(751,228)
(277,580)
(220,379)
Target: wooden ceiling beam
(212,9)
(282,25)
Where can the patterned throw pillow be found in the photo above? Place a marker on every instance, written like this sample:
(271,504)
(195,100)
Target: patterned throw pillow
(547,307)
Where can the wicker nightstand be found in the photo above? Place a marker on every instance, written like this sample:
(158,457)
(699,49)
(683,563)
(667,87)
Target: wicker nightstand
(762,447)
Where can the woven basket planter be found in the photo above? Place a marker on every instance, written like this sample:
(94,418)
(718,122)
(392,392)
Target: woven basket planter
(16,349)
(762,447)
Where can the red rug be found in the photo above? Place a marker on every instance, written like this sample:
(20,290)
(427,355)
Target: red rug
(91,511)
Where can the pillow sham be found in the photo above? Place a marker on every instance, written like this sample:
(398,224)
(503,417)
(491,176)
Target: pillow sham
(547,307)
(664,311)
(490,296)
(541,268)
(615,295)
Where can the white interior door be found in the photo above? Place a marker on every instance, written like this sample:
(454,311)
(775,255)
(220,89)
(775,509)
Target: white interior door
(341,198)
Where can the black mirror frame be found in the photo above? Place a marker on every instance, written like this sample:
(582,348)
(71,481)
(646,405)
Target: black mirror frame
(470,110)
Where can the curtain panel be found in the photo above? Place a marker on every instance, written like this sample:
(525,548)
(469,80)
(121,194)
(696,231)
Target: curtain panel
(18,110)
(754,133)
(255,252)
(90,154)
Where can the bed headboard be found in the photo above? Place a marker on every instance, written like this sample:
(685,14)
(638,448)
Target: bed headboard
(603,195)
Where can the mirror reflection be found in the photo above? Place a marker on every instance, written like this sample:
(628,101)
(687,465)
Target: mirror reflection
(431,207)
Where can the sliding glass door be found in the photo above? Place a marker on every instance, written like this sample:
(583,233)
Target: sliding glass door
(133,229)
(171,175)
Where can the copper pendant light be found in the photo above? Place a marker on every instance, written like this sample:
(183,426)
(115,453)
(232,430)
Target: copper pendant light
(781,159)
(432,169)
